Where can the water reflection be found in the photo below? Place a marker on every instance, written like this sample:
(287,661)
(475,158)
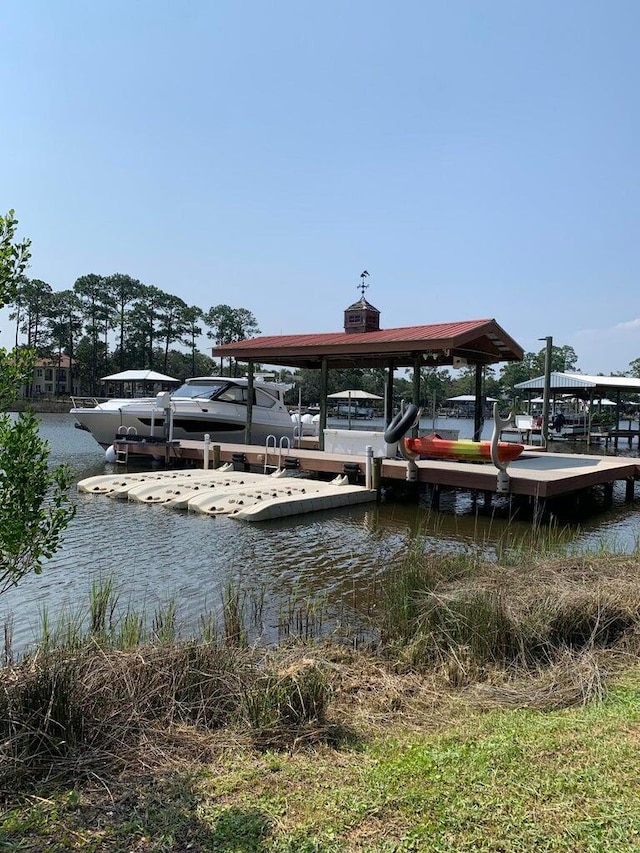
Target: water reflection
(155,554)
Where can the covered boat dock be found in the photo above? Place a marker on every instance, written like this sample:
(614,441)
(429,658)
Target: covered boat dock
(593,391)
(465,343)
(536,476)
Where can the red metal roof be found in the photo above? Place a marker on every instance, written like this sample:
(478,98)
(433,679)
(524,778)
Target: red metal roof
(484,338)
(432,332)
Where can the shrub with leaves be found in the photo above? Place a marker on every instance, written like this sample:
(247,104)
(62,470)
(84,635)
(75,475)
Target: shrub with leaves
(34,503)
(14,257)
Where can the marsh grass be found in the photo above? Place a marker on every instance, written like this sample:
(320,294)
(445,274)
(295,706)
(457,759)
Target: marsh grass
(474,620)
(95,688)
(105,683)
(302,617)
(539,541)
(234,600)
(102,605)
(290,701)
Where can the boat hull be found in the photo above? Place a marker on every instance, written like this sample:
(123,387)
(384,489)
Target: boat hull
(462,450)
(224,427)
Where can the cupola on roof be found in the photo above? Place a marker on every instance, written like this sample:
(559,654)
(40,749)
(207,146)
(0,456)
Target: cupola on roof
(362,316)
(459,343)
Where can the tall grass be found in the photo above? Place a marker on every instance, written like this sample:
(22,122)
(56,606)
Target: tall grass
(542,632)
(302,617)
(234,600)
(470,616)
(293,699)
(94,684)
(538,541)
(102,605)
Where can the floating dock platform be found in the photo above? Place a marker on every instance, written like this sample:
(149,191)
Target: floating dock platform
(240,495)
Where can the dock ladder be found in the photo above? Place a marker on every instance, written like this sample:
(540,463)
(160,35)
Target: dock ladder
(122,455)
(277,448)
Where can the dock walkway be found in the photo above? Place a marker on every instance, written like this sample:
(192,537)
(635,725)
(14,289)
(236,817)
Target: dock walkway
(535,474)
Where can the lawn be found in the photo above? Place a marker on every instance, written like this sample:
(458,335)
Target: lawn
(460,779)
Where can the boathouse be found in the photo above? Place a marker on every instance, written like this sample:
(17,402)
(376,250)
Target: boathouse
(591,391)
(362,343)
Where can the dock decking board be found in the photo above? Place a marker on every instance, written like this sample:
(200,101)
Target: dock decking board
(535,474)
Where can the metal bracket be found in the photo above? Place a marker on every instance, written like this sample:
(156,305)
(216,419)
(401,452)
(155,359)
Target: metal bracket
(503,484)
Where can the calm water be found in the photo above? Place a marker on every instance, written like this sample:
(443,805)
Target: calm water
(155,555)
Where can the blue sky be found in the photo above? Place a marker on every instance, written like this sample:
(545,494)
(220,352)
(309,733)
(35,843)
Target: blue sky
(478,157)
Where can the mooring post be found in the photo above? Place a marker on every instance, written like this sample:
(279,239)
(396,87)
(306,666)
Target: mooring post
(368,469)
(205,451)
(376,473)
(216,455)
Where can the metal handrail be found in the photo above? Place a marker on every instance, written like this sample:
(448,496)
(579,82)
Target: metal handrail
(81,402)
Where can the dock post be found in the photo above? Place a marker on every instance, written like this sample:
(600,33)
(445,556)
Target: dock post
(435,496)
(415,397)
(205,451)
(216,455)
(478,414)
(324,374)
(249,422)
(368,470)
(376,473)
(608,495)
(629,490)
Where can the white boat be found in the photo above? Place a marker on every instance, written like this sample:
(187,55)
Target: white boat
(213,405)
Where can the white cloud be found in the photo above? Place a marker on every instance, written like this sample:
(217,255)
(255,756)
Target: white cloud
(607,350)
(631,324)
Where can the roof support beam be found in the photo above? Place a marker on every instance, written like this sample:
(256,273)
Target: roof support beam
(417,363)
(388,394)
(324,381)
(247,429)
(478,415)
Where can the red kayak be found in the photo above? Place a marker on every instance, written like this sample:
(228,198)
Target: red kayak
(463,450)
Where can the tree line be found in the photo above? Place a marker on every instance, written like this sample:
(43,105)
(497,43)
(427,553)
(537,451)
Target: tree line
(439,384)
(106,324)
(115,322)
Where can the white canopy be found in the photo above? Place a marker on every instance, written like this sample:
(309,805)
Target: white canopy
(565,382)
(354,394)
(469,398)
(138,376)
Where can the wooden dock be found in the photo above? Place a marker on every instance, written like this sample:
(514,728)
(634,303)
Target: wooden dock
(536,474)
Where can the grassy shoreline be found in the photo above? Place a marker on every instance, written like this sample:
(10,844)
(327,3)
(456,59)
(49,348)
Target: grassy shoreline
(499,711)
(42,406)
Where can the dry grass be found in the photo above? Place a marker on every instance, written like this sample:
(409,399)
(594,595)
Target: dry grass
(438,615)
(547,635)
(84,708)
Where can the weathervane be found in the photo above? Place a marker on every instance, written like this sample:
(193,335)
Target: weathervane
(363,286)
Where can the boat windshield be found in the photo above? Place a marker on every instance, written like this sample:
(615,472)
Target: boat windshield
(210,390)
